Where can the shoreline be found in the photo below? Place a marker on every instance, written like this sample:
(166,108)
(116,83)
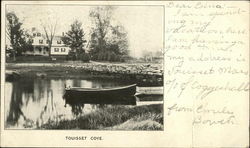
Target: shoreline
(143,74)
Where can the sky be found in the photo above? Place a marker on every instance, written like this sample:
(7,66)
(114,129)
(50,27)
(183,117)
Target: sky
(144,24)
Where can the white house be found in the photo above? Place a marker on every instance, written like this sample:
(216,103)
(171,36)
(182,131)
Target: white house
(58,48)
(40,45)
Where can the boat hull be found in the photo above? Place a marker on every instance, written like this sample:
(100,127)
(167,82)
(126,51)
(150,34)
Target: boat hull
(127,100)
(98,95)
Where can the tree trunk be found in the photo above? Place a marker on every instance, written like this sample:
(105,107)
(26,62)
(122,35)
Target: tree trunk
(49,49)
(14,56)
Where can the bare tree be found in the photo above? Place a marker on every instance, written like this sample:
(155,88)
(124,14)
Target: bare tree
(49,30)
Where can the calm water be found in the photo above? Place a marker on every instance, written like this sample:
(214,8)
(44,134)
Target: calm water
(31,102)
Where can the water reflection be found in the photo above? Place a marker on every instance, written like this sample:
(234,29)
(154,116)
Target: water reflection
(20,89)
(77,109)
(31,102)
(77,105)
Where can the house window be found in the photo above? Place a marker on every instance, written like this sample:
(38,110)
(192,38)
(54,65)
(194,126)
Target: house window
(38,34)
(59,42)
(32,40)
(56,49)
(47,41)
(40,41)
(34,34)
(63,49)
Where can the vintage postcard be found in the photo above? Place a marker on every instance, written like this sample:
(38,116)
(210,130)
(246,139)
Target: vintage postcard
(124,74)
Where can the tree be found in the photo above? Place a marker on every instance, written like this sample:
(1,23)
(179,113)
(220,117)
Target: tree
(49,30)
(119,38)
(74,38)
(108,42)
(19,38)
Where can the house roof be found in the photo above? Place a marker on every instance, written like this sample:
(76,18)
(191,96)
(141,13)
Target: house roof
(56,37)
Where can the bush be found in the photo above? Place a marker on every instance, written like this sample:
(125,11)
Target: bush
(71,56)
(107,56)
(85,57)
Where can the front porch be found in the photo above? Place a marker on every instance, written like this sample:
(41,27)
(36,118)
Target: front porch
(38,50)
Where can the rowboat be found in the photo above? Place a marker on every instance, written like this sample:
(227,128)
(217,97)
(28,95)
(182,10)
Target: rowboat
(95,93)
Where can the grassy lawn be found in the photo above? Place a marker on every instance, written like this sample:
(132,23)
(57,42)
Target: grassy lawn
(147,117)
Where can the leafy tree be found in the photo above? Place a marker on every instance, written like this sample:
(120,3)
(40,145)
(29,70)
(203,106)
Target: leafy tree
(108,42)
(19,39)
(118,41)
(74,38)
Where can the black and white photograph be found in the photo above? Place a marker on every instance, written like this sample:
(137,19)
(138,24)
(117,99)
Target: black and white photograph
(84,67)
(124,73)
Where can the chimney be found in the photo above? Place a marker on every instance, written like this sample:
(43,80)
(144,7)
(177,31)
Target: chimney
(62,33)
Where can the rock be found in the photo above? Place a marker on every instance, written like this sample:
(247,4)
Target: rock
(42,75)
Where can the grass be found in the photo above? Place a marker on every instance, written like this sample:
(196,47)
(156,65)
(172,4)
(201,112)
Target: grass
(147,117)
(146,121)
(30,59)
